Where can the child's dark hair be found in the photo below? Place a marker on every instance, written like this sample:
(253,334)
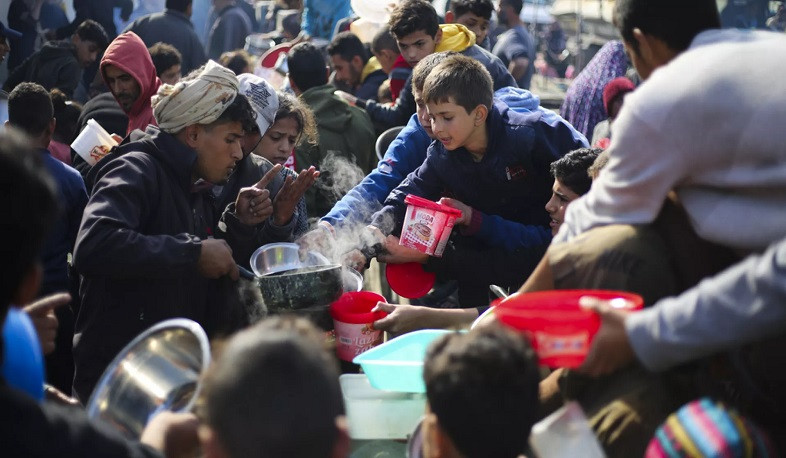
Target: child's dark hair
(30,108)
(411,16)
(67,115)
(384,40)
(480,8)
(237,61)
(90,30)
(483,388)
(572,169)
(668,20)
(347,45)
(291,107)
(164,56)
(307,67)
(425,66)
(462,79)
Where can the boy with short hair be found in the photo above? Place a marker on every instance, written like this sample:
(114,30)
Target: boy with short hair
(415,24)
(167,60)
(474,15)
(492,160)
(482,393)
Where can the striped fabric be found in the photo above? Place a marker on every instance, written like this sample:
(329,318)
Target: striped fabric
(705,428)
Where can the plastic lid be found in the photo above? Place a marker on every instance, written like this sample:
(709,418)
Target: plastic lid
(355,307)
(412,199)
(409,279)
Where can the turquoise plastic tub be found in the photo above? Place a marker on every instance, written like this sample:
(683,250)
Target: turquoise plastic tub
(397,365)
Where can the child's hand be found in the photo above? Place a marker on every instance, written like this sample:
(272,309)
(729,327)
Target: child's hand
(466,210)
(347,97)
(397,254)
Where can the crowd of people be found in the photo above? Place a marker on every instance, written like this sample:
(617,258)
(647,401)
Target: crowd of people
(661,175)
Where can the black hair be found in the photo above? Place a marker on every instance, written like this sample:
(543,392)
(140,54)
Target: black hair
(29,206)
(480,8)
(483,388)
(30,108)
(66,113)
(571,169)
(411,16)
(423,69)
(384,40)
(92,31)
(164,57)
(178,5)
(674,21)
(347,45)
(517,5)
(273,392)
(307,67)
(237,61)
(461,78)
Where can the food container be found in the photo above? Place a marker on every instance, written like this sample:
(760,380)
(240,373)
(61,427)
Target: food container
(397,365)
(559,330)
(427,225)
(374,414)
(353,322)
(93,143)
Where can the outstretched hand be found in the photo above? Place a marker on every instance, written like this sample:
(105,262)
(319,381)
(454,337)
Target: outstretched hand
(253,205)
(290,194)
(395,253)
(401,318)
(610,349)
(42,314)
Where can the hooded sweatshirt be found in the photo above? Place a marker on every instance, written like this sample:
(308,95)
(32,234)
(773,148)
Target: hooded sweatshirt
(129,53)
(54,66)
(344,129)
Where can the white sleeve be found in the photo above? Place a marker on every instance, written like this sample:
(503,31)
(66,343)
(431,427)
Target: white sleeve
(744,303)
(644,165)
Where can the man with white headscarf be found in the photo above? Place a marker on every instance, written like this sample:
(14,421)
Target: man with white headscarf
(145,249)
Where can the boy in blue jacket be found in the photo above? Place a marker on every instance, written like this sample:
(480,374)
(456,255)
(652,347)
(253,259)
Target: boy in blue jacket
(492,160)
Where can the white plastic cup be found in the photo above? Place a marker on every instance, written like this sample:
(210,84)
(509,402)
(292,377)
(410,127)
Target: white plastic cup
(93,143)
(566,432)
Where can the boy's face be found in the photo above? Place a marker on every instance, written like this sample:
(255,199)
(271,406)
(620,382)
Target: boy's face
(422,111)
(561,196)
(417,45)
(386,58)
(171,75)
(451,123)
(218,148)
(86,51)
(477,24)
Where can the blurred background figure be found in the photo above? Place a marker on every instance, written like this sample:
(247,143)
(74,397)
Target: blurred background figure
(168,62)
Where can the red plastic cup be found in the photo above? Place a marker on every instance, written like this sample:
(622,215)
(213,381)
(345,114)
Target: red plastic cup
(409,279)
(427,225)
(354,323)
(559,330)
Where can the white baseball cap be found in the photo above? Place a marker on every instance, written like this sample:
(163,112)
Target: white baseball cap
(263,99)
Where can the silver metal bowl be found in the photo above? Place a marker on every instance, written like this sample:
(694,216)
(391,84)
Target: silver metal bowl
(159,370)
(278,257)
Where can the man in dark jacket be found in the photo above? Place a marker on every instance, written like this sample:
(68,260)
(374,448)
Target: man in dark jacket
(353,68)
(174,27)
(59,64)
(345,131)
(101,11)
(145,249)
(229,30)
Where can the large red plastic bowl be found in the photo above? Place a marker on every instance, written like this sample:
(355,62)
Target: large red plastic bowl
(409,279)
(559,330)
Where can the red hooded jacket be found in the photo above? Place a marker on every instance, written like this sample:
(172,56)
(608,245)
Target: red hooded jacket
(129,53)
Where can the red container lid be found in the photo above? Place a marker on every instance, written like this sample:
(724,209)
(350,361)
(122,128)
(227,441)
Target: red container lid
(412,199)
(409,279)
(557,318)
(355,307)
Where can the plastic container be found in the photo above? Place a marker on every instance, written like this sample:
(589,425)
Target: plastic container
(353,321)
(377,414)
(23,363)
(409,279)
(427,225)
(559,330)
(93,143)
(397,365)
(566,432)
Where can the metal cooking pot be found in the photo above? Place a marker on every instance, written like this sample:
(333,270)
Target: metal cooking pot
(299,288)
(161,369)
